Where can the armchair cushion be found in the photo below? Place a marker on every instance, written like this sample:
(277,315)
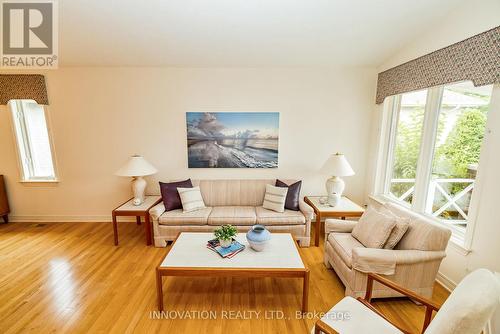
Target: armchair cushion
(402,225)
(470,305)
(373,228)
(358,319)
(343,244)
(423,233)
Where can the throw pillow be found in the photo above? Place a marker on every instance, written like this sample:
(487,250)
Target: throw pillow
(275,197)
(191,199)
(170,196)
(373,228)
(402,225)
(293,194)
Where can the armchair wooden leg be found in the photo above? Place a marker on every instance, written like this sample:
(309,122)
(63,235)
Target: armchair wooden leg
(427,319)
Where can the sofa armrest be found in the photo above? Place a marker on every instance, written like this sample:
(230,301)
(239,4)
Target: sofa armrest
(338,225)
(306,210)
(385,261)
(156,211)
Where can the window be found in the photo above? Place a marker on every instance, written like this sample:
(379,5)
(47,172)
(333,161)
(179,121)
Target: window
(434,143)
(33,141)
(408,133)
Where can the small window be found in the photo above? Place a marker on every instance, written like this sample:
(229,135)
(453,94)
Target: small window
(33,141)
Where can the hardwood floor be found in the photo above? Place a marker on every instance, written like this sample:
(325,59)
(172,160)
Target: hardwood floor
(68,277)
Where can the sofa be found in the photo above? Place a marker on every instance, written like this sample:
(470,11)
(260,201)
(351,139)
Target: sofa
(235,202)
(413,263)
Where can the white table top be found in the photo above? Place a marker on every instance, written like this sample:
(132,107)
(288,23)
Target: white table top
(190,250)
(148,202)
(345,205)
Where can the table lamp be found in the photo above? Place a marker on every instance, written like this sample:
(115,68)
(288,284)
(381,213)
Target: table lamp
(137,167)
(337,166)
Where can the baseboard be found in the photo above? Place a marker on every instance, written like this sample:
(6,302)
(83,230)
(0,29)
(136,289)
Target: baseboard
(66,219)
(445,282)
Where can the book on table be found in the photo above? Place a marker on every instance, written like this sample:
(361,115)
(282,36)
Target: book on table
(225,252)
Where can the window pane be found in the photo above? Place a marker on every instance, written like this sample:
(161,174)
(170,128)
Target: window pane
(407,145)
(461,126)
(33,141)
(38,135)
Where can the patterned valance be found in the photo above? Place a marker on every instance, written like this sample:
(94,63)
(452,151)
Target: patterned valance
(476,59)
(23,87)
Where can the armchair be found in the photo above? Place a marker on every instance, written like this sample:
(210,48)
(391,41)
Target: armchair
(466,311)
(413,263)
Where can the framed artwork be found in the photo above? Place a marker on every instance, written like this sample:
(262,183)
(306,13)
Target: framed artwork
(232,139)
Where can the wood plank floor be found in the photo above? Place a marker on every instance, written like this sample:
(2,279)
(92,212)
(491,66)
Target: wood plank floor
(68,277)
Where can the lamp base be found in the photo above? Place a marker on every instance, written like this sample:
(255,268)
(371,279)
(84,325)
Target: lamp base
(334,188)
(138,189)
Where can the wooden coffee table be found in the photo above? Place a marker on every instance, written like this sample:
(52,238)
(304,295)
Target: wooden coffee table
(346,208)
(189,256)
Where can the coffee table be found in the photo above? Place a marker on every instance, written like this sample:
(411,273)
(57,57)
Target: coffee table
(189,256)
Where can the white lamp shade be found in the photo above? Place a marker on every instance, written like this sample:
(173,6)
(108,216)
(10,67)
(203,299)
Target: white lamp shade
(337,165)
(136,166)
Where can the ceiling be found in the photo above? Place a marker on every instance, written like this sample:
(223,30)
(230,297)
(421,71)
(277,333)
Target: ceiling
(241,33)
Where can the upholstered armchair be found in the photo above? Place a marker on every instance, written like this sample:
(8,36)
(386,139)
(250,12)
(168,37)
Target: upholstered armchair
(413,263)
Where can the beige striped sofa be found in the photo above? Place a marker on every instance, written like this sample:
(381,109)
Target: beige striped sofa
(413,263)
(235,202)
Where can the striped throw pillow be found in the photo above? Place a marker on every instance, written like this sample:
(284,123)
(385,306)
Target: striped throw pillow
(275,198)
(191,199)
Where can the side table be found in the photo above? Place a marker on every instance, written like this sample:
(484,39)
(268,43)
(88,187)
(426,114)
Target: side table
(129,209)
(345,208)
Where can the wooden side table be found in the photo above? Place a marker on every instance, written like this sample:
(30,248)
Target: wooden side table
(4,203)
(346,208)
(129,209)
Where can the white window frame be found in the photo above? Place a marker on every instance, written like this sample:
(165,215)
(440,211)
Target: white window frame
(23,152)
(385,162)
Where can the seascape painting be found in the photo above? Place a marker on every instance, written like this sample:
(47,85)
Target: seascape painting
(232,139)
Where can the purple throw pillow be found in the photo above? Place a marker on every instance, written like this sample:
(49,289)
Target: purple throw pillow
(170,196)
(293,194)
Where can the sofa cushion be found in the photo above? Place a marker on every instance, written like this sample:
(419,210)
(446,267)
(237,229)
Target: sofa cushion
(373,228)
(169,193)
(234,215)
(343,243)
(293,194)
(191,199)
(270,217)
(178,217)
(275,198)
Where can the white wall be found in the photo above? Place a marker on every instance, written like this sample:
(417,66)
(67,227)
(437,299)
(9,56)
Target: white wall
(472,18)
(100,116)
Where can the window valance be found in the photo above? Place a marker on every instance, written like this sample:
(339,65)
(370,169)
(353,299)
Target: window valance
(476,59)
(23,86)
